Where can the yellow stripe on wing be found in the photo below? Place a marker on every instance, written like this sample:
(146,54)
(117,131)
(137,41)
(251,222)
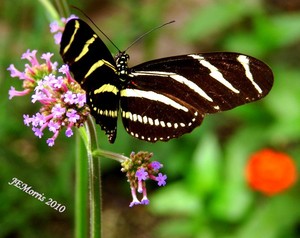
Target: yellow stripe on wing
(72,37)
(86,47)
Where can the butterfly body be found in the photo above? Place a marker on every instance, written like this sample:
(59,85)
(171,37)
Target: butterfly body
(160,99)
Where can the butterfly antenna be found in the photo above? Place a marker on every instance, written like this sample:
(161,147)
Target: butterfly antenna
(146,33)
(78,9)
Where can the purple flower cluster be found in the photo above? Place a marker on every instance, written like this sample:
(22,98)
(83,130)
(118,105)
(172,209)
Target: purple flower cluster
(62,99)
(138,169)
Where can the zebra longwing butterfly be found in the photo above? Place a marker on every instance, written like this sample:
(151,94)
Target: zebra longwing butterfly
(160,99)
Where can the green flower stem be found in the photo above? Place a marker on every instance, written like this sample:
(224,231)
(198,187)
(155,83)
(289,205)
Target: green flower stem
(94,180)
(50,9)
(89,136)
(110,155)
(81,190)
(63,7)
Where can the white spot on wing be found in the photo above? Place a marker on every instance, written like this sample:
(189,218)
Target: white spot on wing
(150,121)
(145,120)
(156,122)
(140,119)
(134,117)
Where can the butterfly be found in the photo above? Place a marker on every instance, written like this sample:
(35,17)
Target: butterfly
(164,98)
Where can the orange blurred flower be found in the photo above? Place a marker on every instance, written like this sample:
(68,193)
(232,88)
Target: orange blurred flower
(270,172)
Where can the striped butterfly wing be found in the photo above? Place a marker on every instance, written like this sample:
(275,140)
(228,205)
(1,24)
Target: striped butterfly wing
(94,68)
(168,97)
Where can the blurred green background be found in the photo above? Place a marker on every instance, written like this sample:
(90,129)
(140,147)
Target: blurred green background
(206,195)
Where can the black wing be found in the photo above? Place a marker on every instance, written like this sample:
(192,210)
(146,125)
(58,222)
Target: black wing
(168,97)
(94,68)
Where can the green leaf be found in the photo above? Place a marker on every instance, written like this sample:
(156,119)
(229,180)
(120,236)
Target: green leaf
(274,218)
(203,175)
(214,18)
(175,199)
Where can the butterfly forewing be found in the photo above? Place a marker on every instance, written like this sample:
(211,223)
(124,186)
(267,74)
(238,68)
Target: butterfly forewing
(210,82)
(94,68)
(164,98)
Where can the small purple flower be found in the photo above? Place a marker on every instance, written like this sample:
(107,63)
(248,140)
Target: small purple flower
(50,142)
(65,70)
(31,57)
(80,99)
(27,120)
(72,115)
(161,179)
(53,126)
(156,165)
(34,122)
(58,111)
(54,27)
(40,85)
(15,73)
(38,96)
(69,132)
(37,132)
(13,92)
(69,97)
(49,80)
(141,174)
(37,120)
(40,119)
(58,83)
(145,201)
(47,57)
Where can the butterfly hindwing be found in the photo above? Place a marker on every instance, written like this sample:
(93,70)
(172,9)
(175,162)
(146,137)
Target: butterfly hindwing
(151,116)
